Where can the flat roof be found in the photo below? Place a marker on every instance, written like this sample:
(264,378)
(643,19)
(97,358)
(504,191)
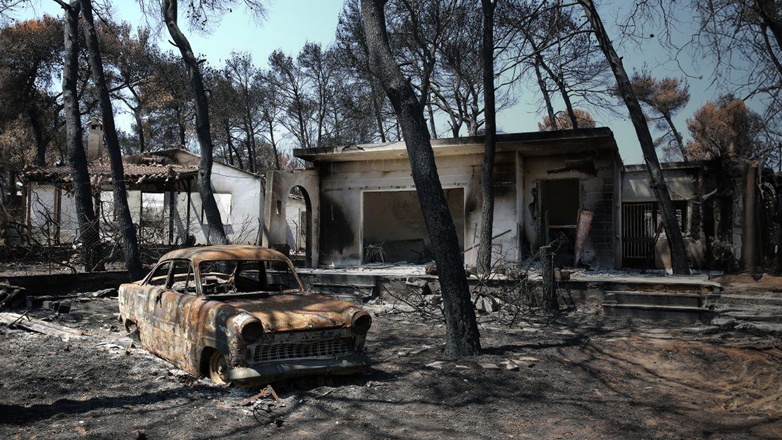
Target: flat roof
(538,143)
(692,164)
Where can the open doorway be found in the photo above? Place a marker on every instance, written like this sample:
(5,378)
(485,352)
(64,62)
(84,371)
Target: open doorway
(393,228)
(560,201)
(298,216)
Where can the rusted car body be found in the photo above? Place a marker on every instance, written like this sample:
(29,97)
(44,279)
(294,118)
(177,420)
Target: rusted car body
(239,314)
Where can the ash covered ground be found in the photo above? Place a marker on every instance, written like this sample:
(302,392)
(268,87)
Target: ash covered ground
(582,376)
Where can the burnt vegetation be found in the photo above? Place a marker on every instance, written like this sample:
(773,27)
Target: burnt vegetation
(492,335)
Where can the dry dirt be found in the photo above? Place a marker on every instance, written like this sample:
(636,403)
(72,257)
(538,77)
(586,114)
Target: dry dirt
(584,377)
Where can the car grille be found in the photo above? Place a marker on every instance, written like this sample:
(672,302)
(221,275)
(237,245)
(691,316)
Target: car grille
(298,350)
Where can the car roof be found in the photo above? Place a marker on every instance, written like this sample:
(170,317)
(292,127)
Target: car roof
(224,252)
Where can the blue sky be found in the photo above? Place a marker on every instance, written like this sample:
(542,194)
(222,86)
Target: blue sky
(288,25)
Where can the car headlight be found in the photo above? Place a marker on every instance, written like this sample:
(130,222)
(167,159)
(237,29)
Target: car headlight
(252,331)
(248,326)
(361,322)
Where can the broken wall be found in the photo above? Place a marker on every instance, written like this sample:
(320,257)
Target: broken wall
(344,186)
(598,186)
(239,196)
(686,186)
(51,213)
(278,188)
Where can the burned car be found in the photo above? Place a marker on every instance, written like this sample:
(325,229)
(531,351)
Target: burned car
(239,314)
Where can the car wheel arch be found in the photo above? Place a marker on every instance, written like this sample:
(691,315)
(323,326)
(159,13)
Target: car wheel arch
(203,360)
(132,328)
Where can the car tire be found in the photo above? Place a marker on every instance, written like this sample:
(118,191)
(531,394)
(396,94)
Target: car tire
(218,369)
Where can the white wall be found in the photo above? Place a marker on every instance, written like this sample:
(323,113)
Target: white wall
(240,200)
(43,220)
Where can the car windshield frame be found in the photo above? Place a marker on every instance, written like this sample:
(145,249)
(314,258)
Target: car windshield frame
(198,278)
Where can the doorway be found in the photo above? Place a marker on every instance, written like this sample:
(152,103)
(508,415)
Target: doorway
(560,202)
(298,216)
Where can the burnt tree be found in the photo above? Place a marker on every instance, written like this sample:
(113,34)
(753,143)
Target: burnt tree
(77,158)
(216,233)
(490,124)
(462,337)
(656,180)
(130,243)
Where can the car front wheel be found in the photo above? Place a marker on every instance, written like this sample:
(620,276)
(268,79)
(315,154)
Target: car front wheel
(218,369)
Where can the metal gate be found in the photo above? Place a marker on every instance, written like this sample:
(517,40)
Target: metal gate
(638,228)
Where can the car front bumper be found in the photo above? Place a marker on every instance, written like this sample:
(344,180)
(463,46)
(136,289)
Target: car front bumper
(273,371)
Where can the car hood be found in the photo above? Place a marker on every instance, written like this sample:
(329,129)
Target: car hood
(285,313)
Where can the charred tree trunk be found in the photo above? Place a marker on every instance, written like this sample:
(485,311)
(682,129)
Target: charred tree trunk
(40,142)
(462,337)
(657,182)
(140,130)
(772,18)
(487,170)
(250,146)
(182,132)
(676,135)
(432,128)
(560,83)
(216,233)
(230,143)
(377,109)
(130,244)
(568,105)
(274,147)
(77,158)
(546,96)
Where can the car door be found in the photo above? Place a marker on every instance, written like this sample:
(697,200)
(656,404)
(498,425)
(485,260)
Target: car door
(149,322)
(181,302)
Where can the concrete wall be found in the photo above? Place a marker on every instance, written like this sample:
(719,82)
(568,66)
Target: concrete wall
(344,184)
(240,198)
(598,186)
(47,218)
(278,187)
(683,185)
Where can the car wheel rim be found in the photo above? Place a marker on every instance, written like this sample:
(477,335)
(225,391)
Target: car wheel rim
(218,369)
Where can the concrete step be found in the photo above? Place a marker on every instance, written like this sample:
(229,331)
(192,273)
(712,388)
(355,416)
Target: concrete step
(752,298)
(660,312)
(351,288)
(658,284)
(657,298)
(668,287)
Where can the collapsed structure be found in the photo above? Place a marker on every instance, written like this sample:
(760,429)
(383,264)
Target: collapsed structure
(162,195)
(357,204)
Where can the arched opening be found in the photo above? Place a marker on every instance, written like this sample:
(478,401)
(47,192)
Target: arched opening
(298,216)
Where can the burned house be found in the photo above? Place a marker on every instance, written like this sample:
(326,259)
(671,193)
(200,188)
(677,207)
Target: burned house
(357,204)
(565,188)
(726,208)
(362,206)
(162,195)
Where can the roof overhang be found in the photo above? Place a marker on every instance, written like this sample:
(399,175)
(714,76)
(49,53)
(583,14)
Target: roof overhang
(542,143)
